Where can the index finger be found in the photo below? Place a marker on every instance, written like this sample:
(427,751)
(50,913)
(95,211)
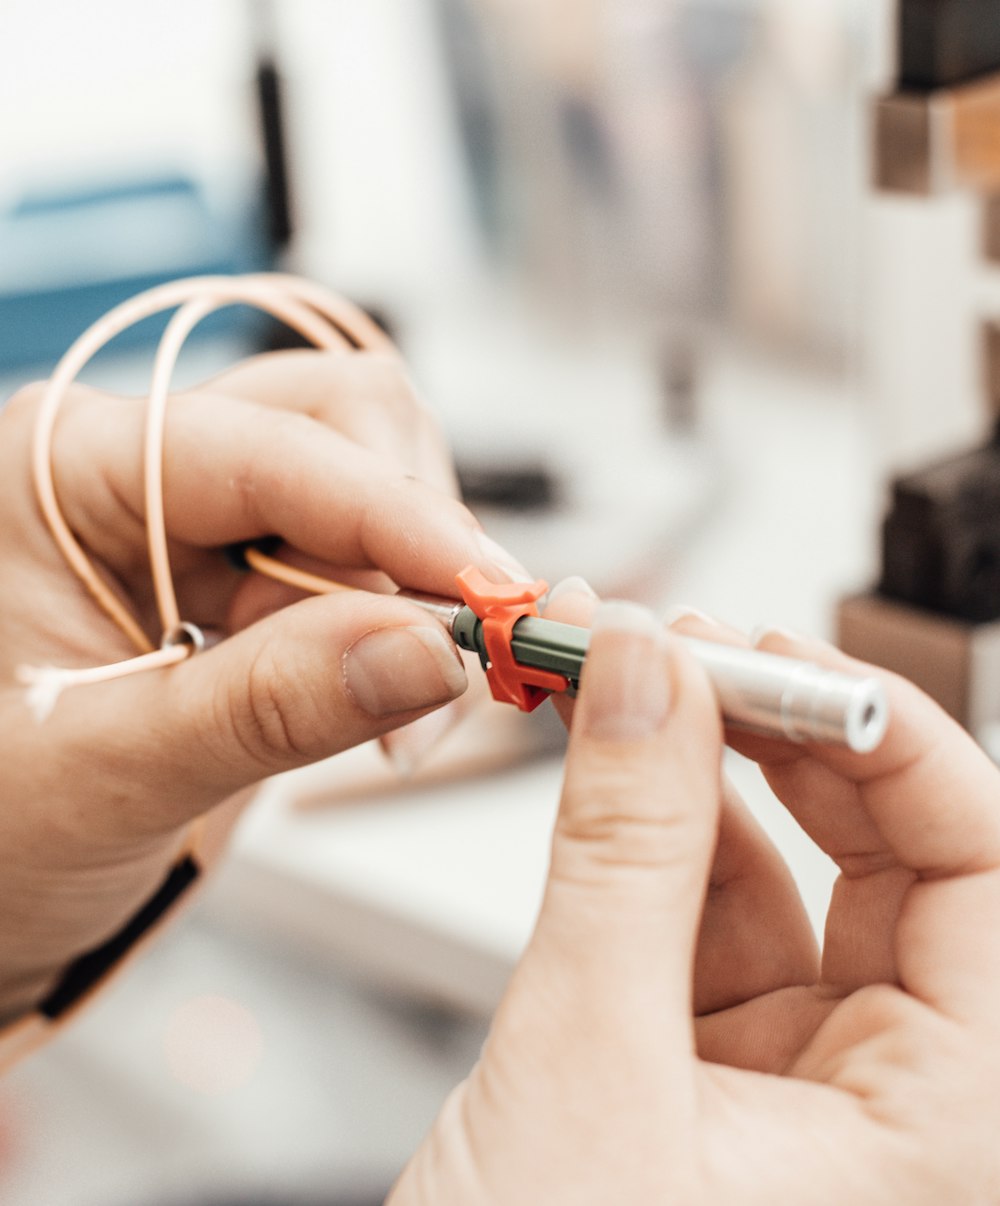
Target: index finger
(931,792)
(238,470)
(932,799)
(366,396)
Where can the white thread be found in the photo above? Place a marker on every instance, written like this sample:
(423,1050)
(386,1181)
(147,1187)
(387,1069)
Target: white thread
(46,683)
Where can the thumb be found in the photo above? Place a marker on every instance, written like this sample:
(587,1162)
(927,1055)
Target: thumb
(637,823)
(307,682)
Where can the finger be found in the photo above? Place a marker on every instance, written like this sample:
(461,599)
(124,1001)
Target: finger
(371,401)
(406,747)
(764,1033)
(858,947)
(312,680)
(635,832)
(925,859)
(238,471)
(366,396)
(928,792)
(756,937)
(755,934)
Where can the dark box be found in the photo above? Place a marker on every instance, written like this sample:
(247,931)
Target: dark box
(941,538)
(947,42)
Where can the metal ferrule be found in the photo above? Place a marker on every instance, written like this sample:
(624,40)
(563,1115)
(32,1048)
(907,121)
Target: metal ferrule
(443,610)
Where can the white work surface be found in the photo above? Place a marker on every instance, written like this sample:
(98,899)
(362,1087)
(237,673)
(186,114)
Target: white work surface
(434,889)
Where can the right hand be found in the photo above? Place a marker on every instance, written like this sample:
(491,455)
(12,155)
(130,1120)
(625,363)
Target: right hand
(671,1035)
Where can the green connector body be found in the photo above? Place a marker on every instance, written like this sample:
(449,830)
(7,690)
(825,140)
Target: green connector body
(541,644)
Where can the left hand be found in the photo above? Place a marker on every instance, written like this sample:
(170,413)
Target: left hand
(333,454)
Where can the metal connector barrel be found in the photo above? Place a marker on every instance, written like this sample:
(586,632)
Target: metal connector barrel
(800,701)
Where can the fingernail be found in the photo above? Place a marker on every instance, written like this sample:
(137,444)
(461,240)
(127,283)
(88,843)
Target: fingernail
(407,748)
(570,586)
(681,611)
(762,631)
(626,682)
(508,566)
(392,670)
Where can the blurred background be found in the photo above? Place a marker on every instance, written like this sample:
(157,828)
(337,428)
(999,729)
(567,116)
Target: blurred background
(632,254)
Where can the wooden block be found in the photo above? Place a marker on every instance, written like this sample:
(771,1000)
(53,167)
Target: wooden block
(931,142)
(932,651)
(956,663)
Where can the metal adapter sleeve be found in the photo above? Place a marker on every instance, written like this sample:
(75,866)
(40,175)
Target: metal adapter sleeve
(798,700)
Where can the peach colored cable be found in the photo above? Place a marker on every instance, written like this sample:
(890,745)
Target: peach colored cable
(356,325)
(72,363)
(290,575)
(320,316)
(301,319)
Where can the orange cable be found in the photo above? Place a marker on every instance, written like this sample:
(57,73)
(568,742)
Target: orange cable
(270,567)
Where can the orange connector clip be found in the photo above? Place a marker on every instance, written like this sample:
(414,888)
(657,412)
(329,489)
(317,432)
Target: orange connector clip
(499,606)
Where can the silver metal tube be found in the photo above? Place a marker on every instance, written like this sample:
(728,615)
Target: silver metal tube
(784,697)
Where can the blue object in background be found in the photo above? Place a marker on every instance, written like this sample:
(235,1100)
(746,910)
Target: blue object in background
(67,258)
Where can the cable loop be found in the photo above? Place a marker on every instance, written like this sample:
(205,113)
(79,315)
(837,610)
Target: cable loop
(325,319)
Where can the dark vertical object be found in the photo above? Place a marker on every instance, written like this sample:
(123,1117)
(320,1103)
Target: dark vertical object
(277,204)
(277,199)
(947,42)
(276,215)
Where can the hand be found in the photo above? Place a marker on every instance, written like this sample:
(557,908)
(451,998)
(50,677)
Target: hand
(671,1034)
(331,453)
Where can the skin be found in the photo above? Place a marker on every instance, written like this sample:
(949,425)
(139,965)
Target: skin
(332,453)
(673,1035)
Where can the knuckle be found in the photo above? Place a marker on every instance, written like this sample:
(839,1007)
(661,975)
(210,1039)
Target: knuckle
(385,383)
(882,1008)
(17,421)
(619,819)
(253,476)
(416,496)
(405,494)
(270,717)
(19,416)
(23,404)
(387,379)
